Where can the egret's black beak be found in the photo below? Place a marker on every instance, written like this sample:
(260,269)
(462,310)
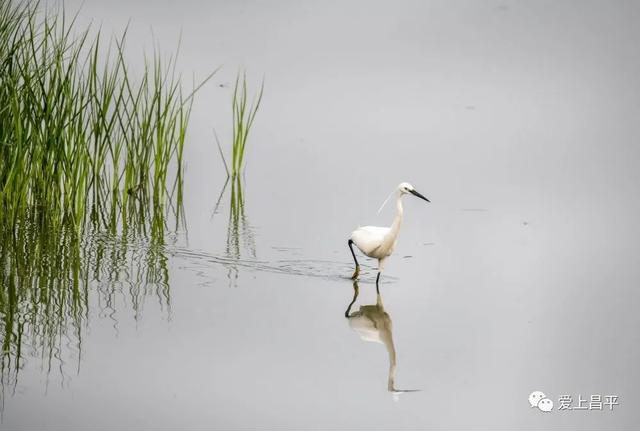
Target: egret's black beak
(415,193)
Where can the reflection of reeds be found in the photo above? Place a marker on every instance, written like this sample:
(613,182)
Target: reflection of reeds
(50,275)
(239,231)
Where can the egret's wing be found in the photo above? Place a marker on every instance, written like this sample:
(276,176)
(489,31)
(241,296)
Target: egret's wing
(368,238)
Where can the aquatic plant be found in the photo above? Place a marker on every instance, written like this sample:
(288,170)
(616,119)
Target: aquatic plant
(90,178)
(239,231)
(243,117)
(79,135)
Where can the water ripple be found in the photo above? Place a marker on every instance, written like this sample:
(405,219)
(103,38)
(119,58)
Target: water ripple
(327,269)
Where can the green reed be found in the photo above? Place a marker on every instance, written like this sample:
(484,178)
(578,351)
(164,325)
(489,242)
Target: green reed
(243,116)
(79,135)
(90,175)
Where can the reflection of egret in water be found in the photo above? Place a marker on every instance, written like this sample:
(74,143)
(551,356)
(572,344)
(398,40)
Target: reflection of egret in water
(373,323)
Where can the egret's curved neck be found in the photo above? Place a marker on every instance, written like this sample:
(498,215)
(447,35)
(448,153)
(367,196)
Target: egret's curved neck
(397,221)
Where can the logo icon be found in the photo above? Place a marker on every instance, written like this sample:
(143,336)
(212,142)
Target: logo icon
(545,405)
(539,399)
(535,398)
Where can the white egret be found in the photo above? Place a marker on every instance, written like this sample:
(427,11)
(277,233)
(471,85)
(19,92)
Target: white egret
(379,242)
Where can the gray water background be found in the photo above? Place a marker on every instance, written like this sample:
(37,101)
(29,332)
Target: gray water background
(519,120)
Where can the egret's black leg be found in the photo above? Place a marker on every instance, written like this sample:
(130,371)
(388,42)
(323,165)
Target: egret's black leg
(357,271)
(377,283)
(356,290)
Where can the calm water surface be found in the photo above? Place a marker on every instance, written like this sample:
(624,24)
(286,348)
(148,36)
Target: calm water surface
(517,119)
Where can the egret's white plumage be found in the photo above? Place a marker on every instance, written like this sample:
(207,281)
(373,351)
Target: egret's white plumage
(379,242)
(369,238)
